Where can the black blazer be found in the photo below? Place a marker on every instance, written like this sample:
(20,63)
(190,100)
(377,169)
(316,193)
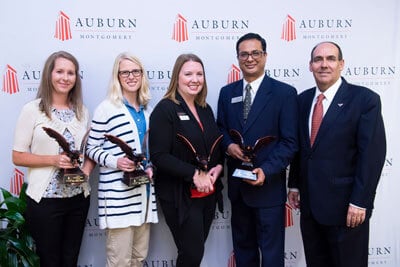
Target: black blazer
(345,162)
(174,161)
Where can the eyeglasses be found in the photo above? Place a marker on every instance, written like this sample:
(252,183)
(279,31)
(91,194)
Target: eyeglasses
(126,73)
(255,54)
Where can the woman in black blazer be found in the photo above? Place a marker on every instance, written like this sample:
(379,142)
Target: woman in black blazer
(182,131)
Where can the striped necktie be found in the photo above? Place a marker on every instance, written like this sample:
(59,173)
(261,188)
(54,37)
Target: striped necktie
(316,118)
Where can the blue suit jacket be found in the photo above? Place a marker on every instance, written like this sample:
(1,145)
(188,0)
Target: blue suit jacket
(345,162)
(273,112)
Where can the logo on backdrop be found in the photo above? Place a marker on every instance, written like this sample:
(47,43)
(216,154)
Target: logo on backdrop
(290,259)
(17,180)
(29,78)
(161,263)
(381,256)
(232,260)
(92,229)
(208,29)
(222,221)
(289,29)
(288,75)
(10,81)
(388,166)
(63,27)
(26,80)
(94,28)
(288,216)
(371,76)
(234,74)
(159,80)
(316,28)
(180,31)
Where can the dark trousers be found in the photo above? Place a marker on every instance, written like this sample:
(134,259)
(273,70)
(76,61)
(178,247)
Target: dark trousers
(334,246)
(255,231)
(191,235)
(57,225)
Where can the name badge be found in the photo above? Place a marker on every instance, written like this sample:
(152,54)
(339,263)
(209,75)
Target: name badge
(183,116)
(236,99)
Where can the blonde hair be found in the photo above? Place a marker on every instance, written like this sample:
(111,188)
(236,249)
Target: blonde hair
(174,83)
(115,89)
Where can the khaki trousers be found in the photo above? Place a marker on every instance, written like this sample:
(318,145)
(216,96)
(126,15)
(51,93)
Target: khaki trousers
(127,247)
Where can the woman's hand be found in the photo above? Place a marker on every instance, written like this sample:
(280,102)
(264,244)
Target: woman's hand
(203,181)
(62,161)
(125,164)
(215,172)
(149,172)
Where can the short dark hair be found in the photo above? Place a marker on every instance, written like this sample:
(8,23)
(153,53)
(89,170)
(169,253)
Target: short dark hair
(249,36)
(340,54)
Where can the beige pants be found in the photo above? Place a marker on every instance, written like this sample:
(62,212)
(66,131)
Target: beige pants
(127,247)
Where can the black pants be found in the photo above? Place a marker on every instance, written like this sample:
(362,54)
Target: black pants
(191,235)
(57,225)
(334,246)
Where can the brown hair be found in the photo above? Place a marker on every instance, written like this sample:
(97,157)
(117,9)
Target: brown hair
(173,85)
(46,86)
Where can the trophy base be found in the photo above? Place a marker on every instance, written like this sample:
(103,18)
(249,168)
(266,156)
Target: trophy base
(244,174)
(135,178)
(74,176)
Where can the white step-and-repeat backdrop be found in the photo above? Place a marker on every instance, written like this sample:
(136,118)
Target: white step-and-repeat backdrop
(157,32)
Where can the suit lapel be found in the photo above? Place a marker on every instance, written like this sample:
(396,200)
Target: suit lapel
(237,102)
(305,112)
(336,107)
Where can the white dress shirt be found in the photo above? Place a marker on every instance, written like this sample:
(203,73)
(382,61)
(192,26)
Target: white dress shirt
(254,87)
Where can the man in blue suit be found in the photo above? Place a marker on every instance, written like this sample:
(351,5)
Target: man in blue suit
(258,205)
(338,172)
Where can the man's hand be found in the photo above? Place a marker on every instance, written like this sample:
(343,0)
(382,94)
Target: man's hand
(260,178)
(236,152)
(294,199)
(355,216)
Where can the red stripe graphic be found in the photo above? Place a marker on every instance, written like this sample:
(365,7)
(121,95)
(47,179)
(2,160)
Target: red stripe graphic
(16,182)
(231,260)
(10,81)
(180,31)
(288,215)
(289,29)
(234,74)
(63,27)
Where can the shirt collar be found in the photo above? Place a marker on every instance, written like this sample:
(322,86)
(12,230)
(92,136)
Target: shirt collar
(254,84)
(125,101)
(330,92)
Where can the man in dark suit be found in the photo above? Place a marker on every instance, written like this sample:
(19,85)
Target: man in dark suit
(258,205)
(337,172)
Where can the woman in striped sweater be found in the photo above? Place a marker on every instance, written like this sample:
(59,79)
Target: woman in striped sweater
(124,211)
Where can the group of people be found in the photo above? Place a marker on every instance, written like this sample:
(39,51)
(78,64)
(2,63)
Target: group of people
(331,137)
